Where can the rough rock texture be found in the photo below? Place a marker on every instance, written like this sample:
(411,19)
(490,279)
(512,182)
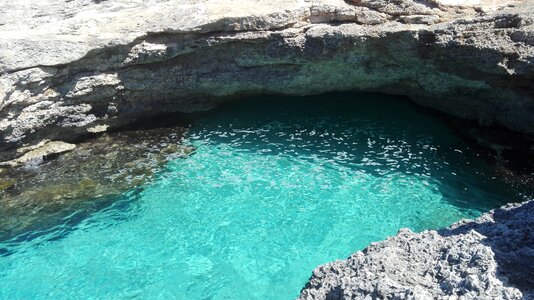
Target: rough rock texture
(40,193)
(68,67)
(488,258)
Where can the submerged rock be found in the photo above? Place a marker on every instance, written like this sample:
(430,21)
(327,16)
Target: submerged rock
(491,257)
(72,67)
(96,170)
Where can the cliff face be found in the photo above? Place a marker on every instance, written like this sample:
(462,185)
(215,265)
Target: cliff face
(488,258)
(69,67)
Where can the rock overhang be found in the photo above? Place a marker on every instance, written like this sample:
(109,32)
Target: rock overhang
(79,64)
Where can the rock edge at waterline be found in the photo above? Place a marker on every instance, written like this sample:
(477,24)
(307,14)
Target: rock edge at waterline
(491,257)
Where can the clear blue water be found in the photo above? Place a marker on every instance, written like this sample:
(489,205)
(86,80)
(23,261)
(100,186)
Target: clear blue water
(276,187)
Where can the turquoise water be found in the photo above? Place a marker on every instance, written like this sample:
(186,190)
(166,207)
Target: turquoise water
(276,187)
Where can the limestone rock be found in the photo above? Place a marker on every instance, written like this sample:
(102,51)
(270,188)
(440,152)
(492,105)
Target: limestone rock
(67,67)
(39,152)
(489,258)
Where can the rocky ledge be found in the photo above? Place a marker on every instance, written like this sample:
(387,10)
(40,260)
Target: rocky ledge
(491,257)
(69,67)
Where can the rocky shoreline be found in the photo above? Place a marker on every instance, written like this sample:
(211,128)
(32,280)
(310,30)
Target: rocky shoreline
(72,67)
(487,258)
(79,68)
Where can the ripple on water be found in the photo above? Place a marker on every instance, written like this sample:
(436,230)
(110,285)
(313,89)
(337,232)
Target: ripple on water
(274,189)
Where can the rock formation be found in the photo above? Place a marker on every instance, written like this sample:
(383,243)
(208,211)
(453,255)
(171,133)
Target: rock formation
(488,258)
(72,67)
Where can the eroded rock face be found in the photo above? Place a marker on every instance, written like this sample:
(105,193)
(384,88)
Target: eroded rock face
(489,258)
(69,66)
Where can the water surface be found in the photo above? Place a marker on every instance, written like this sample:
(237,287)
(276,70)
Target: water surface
(276,187)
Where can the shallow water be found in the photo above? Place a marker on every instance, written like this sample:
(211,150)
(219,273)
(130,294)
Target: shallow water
(276,187)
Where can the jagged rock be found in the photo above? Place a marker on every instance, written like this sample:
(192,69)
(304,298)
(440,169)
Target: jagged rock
(491,257)
(67,67)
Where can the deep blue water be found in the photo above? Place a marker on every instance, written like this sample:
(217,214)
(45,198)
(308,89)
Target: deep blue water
(276,187)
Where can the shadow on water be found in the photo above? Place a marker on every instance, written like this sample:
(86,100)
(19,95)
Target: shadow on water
(377,134)
(99,173)
(62,223)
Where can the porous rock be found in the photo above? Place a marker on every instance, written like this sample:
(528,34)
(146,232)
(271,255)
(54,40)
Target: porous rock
(491,257)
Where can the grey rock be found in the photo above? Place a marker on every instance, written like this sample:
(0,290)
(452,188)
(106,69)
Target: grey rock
(419,19)
(68,66)
(491,257)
